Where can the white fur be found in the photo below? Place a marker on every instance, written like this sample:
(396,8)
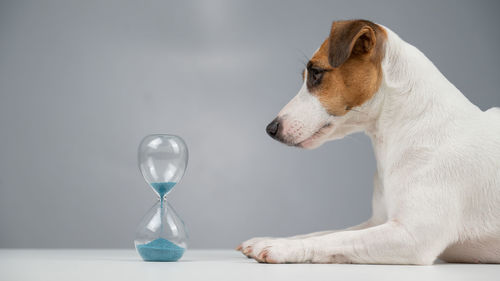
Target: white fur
(437,186)
(303,116)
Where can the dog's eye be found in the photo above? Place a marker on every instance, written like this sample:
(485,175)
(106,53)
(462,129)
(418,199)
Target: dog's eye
(315,75)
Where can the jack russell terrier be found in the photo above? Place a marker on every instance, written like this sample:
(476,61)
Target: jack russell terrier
(437,186)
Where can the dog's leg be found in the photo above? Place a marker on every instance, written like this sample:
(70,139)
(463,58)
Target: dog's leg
(379,216)
(247,246)
(388,243)
(415,233)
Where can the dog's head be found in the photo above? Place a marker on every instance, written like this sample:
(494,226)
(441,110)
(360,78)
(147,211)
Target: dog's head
(342,75)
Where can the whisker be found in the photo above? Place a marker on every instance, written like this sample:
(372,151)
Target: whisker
(303,62)
(303,54)
(358,111)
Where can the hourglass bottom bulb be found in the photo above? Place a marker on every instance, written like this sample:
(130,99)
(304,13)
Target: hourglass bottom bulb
(160,250)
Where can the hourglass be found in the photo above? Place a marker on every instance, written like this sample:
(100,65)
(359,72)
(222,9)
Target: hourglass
(161,235)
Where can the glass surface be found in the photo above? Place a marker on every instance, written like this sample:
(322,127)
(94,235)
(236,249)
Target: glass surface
(161,235)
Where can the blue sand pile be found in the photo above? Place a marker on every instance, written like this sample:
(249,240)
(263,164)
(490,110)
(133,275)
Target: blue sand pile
(160,250)
(162,187)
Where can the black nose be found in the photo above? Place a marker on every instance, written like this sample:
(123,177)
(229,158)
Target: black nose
(273,128)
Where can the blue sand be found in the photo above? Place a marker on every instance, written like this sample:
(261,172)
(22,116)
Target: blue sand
(162,187)
(160,250)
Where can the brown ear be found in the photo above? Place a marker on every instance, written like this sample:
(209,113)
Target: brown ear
(348,38)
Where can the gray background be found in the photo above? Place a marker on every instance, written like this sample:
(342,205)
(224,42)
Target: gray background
(82,82)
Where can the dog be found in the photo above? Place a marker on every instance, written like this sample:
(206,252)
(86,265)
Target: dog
(437,186)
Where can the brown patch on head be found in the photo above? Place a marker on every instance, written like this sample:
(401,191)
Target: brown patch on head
(346,70)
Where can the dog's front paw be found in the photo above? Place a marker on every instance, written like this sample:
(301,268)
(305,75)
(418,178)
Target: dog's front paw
(280,250)
(247,247)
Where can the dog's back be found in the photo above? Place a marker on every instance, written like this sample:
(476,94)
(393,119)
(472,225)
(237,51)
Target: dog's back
(495,111)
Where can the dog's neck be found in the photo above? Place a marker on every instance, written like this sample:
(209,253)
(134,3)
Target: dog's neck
(413,100)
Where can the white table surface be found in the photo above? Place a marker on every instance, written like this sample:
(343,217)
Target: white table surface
(217,265)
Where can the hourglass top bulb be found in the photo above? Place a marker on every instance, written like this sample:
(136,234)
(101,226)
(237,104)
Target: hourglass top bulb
(162,161)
